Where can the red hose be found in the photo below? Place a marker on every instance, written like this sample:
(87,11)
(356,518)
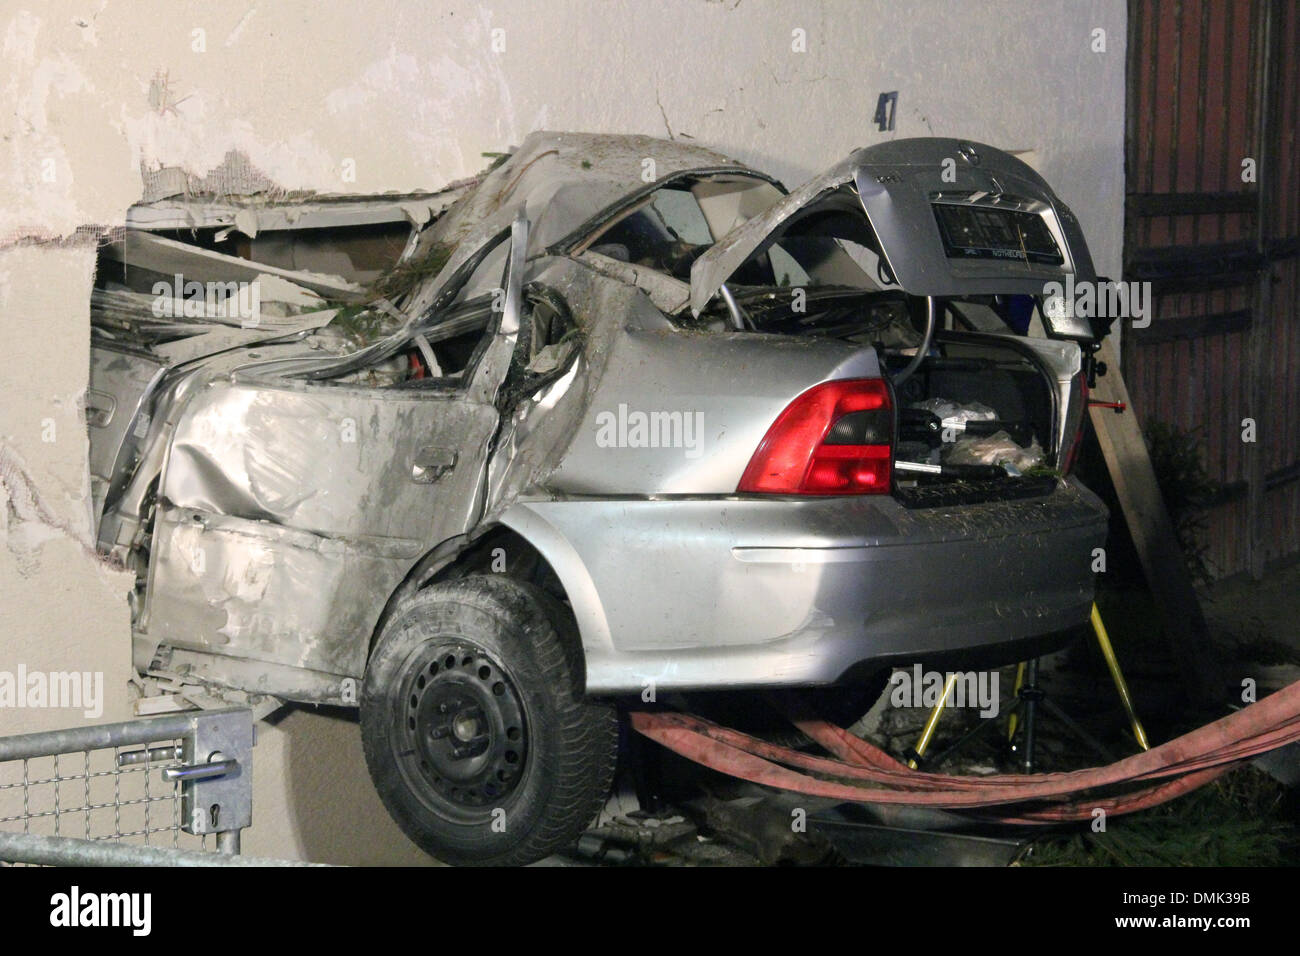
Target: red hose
(865,773)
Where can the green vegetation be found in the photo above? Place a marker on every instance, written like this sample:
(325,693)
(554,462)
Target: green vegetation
(1186,486)
(406,276)
(1239,820)
(361,325)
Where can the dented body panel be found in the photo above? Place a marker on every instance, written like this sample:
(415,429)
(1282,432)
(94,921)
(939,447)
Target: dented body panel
(284,505)
(277,487)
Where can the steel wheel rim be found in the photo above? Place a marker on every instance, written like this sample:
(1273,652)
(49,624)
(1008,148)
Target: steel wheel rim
(462,736)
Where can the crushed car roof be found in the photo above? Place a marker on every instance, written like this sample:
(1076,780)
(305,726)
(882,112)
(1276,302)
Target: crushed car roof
(564,179)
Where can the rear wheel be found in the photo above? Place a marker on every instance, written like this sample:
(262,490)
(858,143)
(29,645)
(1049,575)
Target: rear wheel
(475,729)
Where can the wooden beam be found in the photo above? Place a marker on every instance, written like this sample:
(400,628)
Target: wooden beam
(1127,459)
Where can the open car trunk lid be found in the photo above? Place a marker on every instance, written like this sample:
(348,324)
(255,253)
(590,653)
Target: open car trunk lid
(939,208)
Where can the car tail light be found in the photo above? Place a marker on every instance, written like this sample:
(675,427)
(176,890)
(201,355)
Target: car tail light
(834,439)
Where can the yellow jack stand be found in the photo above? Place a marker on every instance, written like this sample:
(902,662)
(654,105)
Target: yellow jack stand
(1027,692)
(933,721)
(1116,675)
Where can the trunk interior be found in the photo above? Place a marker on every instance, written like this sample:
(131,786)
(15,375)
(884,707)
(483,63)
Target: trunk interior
(976,422)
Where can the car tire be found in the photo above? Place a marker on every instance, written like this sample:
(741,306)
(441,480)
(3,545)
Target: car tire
(474,725)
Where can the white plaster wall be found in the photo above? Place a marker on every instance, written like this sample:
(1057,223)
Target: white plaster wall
(407,95)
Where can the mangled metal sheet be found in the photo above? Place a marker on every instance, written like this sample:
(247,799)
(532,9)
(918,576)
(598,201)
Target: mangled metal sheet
(169,257)
(564,179)
(713,268)
(319,212)
(114,376)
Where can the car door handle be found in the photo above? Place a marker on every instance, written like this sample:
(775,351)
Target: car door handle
(100,407)
(430,464)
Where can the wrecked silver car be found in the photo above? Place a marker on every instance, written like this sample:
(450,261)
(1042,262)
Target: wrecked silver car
(617,417)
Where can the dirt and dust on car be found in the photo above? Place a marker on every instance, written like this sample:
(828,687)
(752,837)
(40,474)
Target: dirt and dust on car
(484,462)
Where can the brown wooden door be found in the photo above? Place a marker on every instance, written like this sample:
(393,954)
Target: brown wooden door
(1212,219)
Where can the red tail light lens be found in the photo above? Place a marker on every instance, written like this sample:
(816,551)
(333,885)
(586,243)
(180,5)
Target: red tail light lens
(834,439)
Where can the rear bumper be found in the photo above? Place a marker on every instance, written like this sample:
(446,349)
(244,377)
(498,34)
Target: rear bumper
(760,592)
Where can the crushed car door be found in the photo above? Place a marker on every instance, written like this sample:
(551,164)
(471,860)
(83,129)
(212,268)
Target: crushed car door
(290,510)
(120,379)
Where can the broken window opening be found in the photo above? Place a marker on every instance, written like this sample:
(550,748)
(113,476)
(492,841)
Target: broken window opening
(673,225)
(549,340)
